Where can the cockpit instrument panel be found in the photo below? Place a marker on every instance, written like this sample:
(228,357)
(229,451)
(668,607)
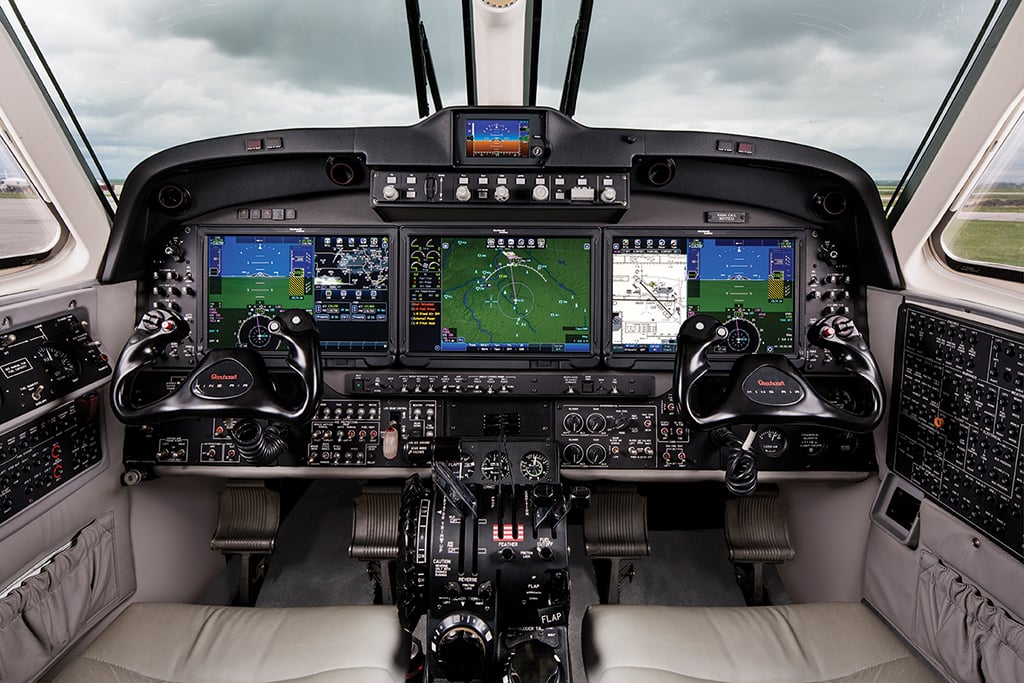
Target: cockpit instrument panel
(342,278)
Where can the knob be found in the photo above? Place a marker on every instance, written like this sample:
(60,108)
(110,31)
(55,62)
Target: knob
(501,193)
(463,193)
(573,423)
(827,252)
(389,193)
(541,193)
(596,423)
(534,660)
(573,454)
(174,250)
(461,646)
(609,195)
(543,495)
(597,454)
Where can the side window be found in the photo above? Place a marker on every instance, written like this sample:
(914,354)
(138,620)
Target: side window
(986,235)
(29,231)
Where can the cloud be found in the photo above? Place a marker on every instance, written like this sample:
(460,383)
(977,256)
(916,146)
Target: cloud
(861,79)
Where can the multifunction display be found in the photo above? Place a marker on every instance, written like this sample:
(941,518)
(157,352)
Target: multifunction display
(340,279)
(510,293)
(747,283)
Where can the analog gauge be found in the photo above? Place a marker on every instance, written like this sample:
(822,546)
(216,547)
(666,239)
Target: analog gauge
(59,363)
(534,466)
(743,336)
(465,466)
(254,333)
(771,442)
(496,466)
(841,398)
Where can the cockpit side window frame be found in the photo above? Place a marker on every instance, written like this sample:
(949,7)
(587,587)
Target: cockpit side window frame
(952,105)
(41,249)
(1012,126)
(42,145)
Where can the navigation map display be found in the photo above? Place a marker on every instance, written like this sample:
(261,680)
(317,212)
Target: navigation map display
(340,279)
(498,138)
(508,293)
(747,283)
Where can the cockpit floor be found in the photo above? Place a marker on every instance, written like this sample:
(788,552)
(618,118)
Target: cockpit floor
(311,565)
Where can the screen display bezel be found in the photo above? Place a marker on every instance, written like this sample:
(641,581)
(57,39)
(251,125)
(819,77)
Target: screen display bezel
(368,357)
(665,359)
(508,359)
(537,139)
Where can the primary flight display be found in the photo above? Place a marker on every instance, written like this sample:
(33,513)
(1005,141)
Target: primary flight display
(340,279)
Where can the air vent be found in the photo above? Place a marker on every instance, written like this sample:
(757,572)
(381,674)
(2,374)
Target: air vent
(173,199)
(658,172)
(829,204)
(344,171)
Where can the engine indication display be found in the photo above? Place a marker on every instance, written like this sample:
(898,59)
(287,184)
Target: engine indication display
(508,293)
(660,280)
(342,280)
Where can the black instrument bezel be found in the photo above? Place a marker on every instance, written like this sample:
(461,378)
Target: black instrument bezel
(666,359)
(508,360)
(537,137)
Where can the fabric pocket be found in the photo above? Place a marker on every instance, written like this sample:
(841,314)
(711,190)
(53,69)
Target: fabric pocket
(962,630)
(51,609)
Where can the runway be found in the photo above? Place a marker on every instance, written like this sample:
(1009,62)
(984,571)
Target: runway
(26,226)
(1008,216)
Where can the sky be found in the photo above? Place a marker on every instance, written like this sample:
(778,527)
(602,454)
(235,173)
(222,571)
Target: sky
(862,79)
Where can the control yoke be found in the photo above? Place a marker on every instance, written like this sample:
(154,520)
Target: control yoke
(767,388)
(227,382)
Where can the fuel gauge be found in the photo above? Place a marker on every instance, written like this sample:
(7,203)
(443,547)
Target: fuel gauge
(771,442)
(58,362)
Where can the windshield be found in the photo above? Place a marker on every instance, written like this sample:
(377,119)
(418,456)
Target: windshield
(145,75)
(860,79)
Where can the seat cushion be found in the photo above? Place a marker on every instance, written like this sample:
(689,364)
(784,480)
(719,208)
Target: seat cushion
(813,643)
(152,642)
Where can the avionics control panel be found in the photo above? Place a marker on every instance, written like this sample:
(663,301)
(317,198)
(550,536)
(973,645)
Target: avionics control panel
(43,454)
(45,362)
(48,408)
(958,417)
